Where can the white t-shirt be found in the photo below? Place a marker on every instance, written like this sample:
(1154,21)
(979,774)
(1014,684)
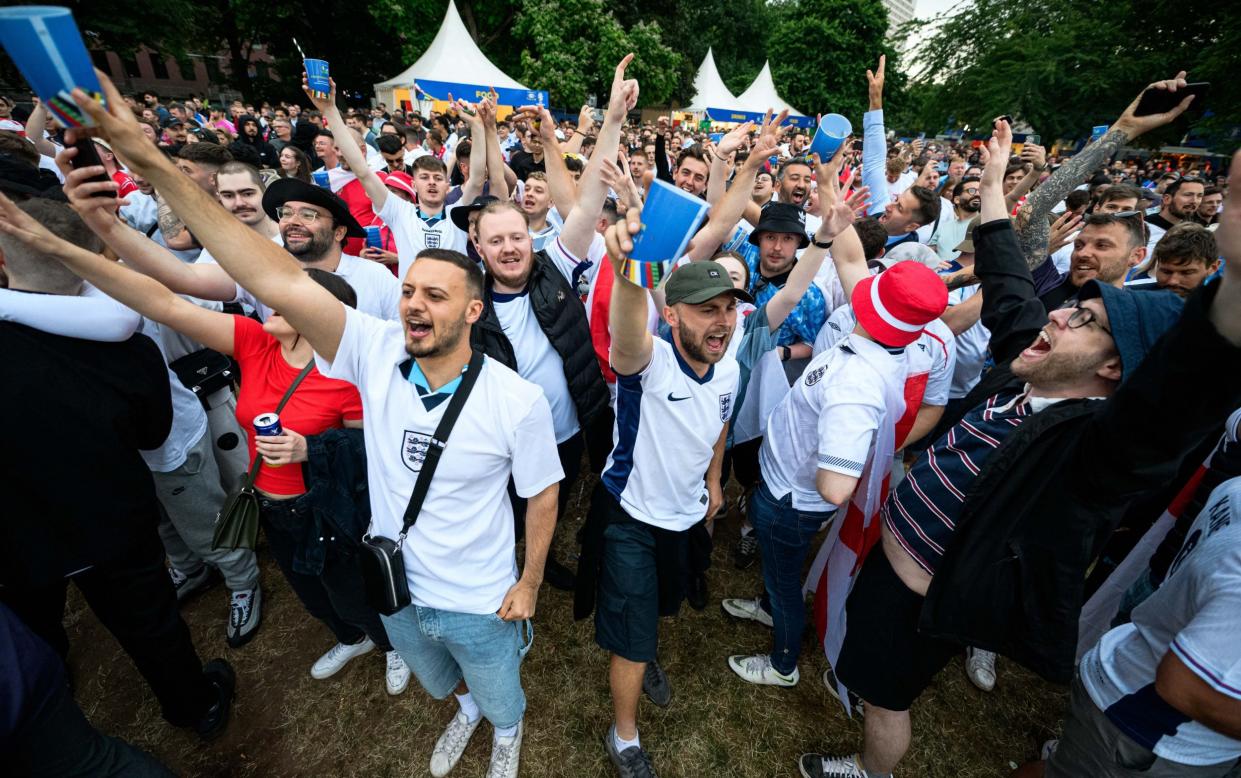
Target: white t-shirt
(579,273)
(459,555)
(827,421)
(1193,615)
(378,291)
(537,361)
(667,423)
(950,232)
(413,233)
(972,347)
(189,420)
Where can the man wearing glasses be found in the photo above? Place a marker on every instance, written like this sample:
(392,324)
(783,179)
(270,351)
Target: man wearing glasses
(988,539)
(953,225)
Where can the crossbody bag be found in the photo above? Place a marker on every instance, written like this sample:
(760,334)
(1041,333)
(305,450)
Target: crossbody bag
(383,566)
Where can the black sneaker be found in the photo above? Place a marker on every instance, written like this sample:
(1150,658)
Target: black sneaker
(655,684)
(633,762)
(213,723)
(745,553)
(559,576)
(696,591)
(197,582)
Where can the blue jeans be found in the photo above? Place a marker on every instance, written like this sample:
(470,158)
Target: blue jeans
(784,537)
(443,648)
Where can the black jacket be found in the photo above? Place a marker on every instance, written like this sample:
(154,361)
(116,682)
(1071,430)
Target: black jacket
(562,317)
(1042,507)
(76,491)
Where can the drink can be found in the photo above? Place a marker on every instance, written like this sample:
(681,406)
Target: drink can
(373,239)
(267,424)
(321,178)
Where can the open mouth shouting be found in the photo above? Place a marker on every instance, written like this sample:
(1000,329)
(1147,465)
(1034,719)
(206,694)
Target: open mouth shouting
(417,329)
(1039,349)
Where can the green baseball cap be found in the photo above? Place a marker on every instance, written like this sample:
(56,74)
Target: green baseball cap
(698,282)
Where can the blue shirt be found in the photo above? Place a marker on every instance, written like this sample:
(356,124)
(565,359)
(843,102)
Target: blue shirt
(431,399)
(807,318)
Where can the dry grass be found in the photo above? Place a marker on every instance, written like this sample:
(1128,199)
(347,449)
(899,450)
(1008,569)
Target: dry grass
(287,724)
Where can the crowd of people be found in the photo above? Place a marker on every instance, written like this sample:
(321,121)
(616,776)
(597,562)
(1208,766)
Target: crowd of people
(952,377)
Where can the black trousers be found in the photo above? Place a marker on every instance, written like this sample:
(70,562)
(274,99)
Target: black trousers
(336,596)
(134,598)
(57,740)
(742,461)
(570,453)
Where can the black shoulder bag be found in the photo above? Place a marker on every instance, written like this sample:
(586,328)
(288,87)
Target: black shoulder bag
(237,524)
(383,567)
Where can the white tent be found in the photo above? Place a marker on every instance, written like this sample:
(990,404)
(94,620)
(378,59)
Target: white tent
(709,89)
(762,95)
(452,56)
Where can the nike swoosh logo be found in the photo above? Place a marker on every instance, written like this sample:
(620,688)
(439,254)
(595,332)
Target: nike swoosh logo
(676,399)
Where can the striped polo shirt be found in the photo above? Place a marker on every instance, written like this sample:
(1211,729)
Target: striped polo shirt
(922,510)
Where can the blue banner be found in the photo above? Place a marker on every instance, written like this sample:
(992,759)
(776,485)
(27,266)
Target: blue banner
(737,117)
(472,93)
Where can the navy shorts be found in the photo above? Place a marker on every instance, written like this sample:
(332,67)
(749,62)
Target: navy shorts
(627,607)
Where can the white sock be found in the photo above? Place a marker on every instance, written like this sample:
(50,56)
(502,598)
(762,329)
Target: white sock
(622,744)
(506,731)
(468,706)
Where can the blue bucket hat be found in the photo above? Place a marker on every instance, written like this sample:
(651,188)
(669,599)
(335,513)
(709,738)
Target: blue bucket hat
(1136,319)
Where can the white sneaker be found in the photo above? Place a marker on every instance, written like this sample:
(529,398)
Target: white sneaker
(1049,748)
(397,675)
(749,610)
(758,670)
(818,766)
(980,667)
(505,754)
(451,745)
(340,655)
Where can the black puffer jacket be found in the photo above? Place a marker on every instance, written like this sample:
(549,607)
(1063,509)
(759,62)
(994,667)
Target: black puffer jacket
(562,317)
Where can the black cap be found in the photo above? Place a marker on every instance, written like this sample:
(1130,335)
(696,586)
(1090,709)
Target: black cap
(172,121)
(698,282)
(782,217)
(287,189)
(461,214)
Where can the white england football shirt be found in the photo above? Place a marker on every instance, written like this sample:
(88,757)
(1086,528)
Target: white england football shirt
(1193,616)
(459,556)
(667,423)
(414,232)
(827,421)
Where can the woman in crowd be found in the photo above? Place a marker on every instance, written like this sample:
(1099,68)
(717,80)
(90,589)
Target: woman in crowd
(294,164)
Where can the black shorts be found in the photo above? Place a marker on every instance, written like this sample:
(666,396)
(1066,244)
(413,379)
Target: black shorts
(884,659)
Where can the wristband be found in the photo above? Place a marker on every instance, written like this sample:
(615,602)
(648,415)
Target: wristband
(817,244)
(785,353)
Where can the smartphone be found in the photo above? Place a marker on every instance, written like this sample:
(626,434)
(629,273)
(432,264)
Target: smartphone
(1161,100)
(1035,139)
(86,157)
(1004,118)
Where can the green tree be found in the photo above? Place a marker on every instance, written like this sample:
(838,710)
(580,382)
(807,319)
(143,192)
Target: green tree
(820,49)
(571,48)
(1065,66)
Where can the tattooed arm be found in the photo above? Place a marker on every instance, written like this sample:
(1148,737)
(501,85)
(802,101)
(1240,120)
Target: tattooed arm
(1034,228)
(176,236)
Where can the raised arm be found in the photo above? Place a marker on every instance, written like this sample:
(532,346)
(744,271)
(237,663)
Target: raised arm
(1036,229)
(837,225)
(585,121)
(144,295)
(473,185)
(353,156)
(259,265)
(91,315)
(579,226)
(875,141)
(35,126)
(1035,157)
(206,281)
(495,158)
(631,340)
(560,183)
(661,152)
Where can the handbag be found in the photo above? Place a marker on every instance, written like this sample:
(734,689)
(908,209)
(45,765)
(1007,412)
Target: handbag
(204,372)
(237,523)
(383,567)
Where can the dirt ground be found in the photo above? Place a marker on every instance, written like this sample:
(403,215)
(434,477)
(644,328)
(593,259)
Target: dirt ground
(287,724)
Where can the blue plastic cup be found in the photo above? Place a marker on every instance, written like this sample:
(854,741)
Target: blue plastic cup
(321,178)
(45,44)
(317,76)
(373,239)
(833,129)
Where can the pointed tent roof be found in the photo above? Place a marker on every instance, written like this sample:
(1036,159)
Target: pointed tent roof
(453,56)
(762,95)
(709,89)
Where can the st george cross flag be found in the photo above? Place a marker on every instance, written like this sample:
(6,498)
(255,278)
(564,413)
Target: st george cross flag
(851,538)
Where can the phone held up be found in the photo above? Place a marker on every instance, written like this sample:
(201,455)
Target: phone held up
(1161,100)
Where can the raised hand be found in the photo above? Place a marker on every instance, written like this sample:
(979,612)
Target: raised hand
(117,124)
(995,155)
(1134,126)
(1061,229)
(874,83)
(733,139)
(1034,156)
(322,104)
(624,95)
(541,120)
(97,212)
(585,119)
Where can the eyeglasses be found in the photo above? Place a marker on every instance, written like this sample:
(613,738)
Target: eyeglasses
(1082,316)
(306,216)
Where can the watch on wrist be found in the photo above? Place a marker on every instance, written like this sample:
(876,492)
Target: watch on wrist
(785,353)
(817,244)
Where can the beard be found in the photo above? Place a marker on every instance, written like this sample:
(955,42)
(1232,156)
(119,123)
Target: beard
(319,244)
(972,205)
(1057,370)
(444,341)
(694,344)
